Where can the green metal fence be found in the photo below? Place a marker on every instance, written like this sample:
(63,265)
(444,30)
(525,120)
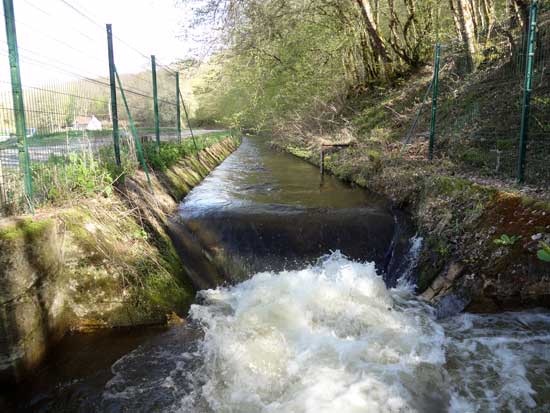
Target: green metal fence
(87,104)
(493,119)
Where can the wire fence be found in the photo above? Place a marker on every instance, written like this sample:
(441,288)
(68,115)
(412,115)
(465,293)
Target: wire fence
(69,116)
(480,102)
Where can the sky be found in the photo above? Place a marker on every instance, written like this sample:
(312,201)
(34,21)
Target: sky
(57,42)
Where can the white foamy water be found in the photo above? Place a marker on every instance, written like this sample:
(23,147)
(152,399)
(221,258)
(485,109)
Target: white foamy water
(332,338)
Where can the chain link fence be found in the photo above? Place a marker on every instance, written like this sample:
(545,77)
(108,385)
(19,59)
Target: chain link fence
(480,103)
(67,105)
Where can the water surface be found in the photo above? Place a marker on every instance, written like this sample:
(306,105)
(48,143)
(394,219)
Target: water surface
(322,317)
(266,210)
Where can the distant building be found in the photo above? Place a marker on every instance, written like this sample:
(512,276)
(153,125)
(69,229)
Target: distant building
(90,123)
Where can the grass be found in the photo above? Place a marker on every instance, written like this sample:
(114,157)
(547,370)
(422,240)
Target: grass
(73,176)
(27,228)
(89,173)
(171,152)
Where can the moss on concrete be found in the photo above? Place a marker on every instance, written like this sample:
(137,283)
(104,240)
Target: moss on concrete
(107,262)
(24,229)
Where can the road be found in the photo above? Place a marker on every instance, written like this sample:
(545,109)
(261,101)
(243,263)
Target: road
(41,153)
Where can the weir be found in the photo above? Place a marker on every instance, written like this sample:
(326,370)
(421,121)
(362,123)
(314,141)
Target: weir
(317,313)
(264,211)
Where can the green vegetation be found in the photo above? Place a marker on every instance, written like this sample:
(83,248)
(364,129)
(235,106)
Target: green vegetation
(25,229)
(507,240)
(296,62)
(170,152)
(88,173)
(360,71)
(544,253)
(300,62)
(75,175)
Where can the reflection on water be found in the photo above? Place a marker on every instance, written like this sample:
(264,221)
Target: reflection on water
(255,176)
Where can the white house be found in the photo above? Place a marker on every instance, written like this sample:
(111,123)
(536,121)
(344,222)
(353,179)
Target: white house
(90,123)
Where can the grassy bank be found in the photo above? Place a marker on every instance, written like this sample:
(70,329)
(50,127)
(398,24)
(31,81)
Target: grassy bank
(59,177)
(100,261)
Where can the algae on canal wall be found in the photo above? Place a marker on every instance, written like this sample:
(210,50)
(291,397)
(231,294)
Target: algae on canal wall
(107,262)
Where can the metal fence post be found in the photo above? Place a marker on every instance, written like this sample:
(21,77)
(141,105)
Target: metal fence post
(528,88)
(114,110)
(139,149)
(189,123)
(155,100)
(18,102)
(178,107)
(435,84)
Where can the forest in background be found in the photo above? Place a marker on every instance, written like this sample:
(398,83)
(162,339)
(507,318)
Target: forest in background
(285,65)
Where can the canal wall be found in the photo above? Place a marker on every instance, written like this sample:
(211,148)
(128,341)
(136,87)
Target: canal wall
(480,240)
(107,262)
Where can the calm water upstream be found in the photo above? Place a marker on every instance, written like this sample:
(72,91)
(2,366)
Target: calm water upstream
(320,318)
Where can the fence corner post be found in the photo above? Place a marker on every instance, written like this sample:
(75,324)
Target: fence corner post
(435,85)
(112,82)
(527,90)
(155,100)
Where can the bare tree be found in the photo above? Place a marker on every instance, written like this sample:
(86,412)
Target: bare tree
(465,27)
(375,38)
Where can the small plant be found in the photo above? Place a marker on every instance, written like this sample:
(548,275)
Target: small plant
(507,240)
(169,153)
(544,253)
(141,234)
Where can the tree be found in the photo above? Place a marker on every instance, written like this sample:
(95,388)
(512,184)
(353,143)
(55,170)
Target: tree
(465,26)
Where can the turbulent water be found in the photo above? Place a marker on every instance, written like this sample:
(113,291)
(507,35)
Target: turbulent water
(332,338)
(329,337)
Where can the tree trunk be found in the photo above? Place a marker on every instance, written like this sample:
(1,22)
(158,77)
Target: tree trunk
(489,13)
(377,13)
(399,35)
(476,18)
(465,27)
(372,29)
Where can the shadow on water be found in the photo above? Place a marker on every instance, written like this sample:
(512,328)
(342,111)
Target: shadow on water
(75,372)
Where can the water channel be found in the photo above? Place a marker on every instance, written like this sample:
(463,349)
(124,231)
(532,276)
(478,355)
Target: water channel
(318,314)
